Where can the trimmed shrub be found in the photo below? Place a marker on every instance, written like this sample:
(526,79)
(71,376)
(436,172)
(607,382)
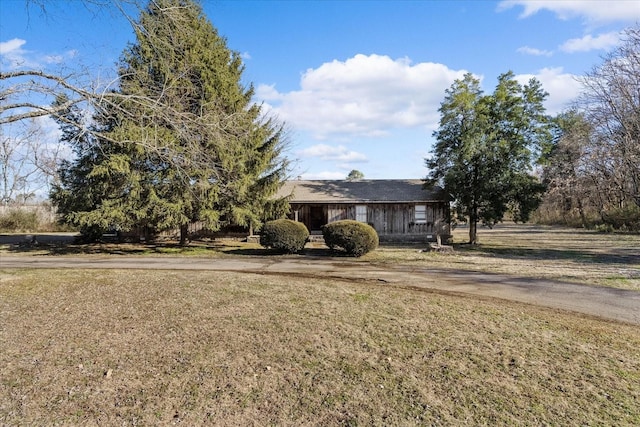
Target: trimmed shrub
(284,235)
(355,238)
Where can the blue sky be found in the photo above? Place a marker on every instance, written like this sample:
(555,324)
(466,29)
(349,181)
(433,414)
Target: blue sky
(358,83)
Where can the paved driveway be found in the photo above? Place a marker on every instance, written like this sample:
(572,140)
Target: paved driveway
(608,303)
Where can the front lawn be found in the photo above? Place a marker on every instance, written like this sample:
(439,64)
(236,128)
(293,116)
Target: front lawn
(157,347)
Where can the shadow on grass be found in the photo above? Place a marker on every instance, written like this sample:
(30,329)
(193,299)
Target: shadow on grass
(194,248)
(604,256)
(108,249)
(551,230)
(321,252)
(590,255)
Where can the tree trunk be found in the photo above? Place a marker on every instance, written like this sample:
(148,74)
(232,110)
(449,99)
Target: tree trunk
(473,232)
(583,217)
(184,231)
(473,226)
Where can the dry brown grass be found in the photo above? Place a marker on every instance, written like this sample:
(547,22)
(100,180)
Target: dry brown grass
(557,253)
(523,250)
(82,347)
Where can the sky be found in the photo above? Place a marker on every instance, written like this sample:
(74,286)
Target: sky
(358,84)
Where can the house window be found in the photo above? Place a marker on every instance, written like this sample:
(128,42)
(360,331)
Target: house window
(421,214)
(361,213)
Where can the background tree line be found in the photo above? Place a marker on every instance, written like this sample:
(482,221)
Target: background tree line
(592,171)
(500,154)
(176,139)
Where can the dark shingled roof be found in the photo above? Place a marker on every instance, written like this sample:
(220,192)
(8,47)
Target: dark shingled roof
(366,190)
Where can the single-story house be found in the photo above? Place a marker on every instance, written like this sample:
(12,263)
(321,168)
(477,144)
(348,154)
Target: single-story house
(398,209)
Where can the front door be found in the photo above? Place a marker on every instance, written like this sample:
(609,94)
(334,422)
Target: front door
(317,217)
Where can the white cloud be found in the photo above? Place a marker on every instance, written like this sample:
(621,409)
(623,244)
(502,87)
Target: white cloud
(268,93)
(323,175)
(58,59)
(601,42)
(526,50)
(594,12)
(563,87)
(13,45)
(338,153)
(364,96)
(13,56)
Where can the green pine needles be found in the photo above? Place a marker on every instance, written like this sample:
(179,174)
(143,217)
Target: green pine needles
(486,146)
(180,141)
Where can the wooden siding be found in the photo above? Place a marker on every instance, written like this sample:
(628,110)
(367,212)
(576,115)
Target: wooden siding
(385,218)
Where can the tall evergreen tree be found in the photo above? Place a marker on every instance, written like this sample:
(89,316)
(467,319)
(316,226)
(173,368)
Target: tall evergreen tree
(485,147)
(78,192)
(191,145)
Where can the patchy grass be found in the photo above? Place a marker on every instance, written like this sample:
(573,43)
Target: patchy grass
(147,348)
(555,253)
(204,248)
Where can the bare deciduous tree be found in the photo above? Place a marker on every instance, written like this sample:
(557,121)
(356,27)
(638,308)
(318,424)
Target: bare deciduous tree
(28,161)
(611,104)
(28,93)
(565,174)
(594,166)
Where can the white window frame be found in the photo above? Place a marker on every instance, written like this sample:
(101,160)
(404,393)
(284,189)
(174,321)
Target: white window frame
(361,213)
(420,214)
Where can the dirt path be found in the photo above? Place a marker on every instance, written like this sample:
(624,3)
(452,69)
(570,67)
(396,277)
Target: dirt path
(608,303)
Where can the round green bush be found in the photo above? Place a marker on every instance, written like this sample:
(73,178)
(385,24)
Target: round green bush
(355,238)
(284,235)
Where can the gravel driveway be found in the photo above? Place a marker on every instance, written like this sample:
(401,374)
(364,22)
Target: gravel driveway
(608,303)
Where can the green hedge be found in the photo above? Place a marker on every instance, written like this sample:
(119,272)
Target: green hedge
(355,238)
(284,235)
